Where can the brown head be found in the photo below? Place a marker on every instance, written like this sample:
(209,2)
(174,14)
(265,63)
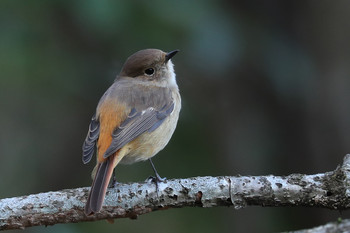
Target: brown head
(149,65)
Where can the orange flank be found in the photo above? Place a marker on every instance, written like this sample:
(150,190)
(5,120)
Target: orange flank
(110,115)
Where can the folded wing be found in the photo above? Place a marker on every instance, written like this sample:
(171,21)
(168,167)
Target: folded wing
(137,123)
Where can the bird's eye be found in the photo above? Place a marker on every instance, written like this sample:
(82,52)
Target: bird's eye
(149,71)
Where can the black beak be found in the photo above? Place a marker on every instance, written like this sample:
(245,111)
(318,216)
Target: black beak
(169,55)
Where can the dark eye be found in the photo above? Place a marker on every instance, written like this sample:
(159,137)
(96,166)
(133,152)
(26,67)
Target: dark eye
(149,71)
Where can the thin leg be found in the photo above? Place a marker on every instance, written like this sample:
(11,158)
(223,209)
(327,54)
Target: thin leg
(158,178)
(113,181)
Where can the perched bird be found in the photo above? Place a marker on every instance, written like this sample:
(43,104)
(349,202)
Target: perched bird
(134,119)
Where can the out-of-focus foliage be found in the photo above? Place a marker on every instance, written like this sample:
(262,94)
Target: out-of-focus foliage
(265,88)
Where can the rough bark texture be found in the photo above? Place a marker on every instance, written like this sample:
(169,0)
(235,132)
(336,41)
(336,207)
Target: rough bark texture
(328,190)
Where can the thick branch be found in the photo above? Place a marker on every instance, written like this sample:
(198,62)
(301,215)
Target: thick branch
(328,190)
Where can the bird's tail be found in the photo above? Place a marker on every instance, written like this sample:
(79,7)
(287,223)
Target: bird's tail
(99,185)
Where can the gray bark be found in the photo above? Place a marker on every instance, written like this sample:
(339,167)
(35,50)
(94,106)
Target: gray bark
(328,190)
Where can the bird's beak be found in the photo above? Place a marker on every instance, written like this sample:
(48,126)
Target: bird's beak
(169,55)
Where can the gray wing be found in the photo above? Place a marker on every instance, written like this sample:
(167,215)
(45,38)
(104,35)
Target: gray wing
(136,124)
(90,141)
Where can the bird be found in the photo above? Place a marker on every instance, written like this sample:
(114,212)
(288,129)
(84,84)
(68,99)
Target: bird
(134,119)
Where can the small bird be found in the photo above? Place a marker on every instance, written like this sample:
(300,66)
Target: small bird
(134,119)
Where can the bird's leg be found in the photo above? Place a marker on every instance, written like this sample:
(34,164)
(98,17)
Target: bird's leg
(113,181)
(156,179)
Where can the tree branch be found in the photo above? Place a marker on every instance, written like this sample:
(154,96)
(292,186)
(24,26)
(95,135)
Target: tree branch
(328,190)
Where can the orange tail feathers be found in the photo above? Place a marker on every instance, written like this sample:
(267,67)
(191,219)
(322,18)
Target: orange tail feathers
(99,186)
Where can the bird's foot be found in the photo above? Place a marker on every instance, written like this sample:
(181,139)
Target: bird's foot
(156,180)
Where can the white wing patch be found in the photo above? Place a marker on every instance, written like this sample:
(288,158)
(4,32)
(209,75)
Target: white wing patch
(147,110)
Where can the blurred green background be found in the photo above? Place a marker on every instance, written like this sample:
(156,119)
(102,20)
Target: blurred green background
(265,88)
